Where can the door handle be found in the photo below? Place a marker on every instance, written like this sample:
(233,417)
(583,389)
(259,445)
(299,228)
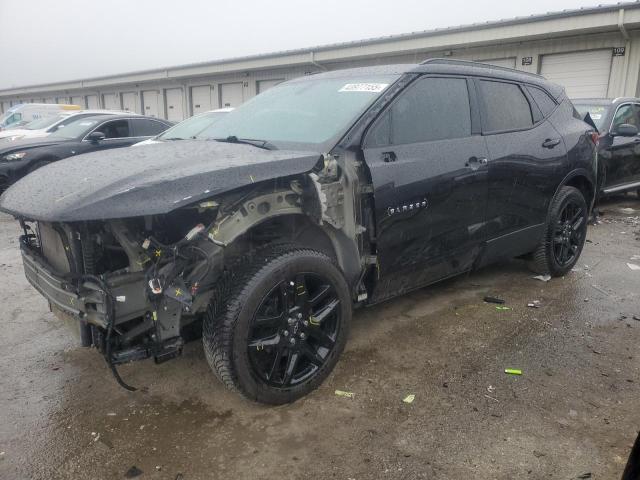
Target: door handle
(551,143)
(388,157)
(475,162)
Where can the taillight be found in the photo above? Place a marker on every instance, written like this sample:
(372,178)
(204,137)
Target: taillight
(595,138)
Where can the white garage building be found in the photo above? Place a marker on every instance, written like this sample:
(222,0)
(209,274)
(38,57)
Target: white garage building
(593,52)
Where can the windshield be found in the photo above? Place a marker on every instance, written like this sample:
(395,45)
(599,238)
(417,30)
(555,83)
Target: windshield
(598,113)
(43,122)
(301,114)
(76,129)
(191,126)
(10,118)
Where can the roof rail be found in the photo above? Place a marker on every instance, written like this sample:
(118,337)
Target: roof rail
(470,63)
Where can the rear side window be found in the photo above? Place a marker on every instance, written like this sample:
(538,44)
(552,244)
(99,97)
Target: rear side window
(431,109)
(147,128)
(543,100)
(504,107)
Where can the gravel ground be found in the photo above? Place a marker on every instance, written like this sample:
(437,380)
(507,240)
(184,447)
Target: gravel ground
(574,411)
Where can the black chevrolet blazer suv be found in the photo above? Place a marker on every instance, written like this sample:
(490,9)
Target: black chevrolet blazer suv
(324,193)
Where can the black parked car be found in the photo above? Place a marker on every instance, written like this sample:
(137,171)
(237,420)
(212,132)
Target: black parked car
(325,192)
(86,134)
(618,122)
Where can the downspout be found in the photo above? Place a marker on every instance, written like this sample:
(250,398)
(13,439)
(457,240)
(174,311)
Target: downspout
(313,62)
(627,38)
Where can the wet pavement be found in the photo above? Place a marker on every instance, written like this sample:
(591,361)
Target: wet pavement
(573,411)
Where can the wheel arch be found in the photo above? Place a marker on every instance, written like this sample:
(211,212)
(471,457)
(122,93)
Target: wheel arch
(582,180)
(300,229)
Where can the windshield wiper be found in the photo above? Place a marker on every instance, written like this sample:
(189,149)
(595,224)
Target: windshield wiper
(247,141)
(173,138)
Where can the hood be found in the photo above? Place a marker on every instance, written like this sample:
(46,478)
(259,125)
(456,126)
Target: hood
(29,143)
(148,141)
(12,132)
(131,182)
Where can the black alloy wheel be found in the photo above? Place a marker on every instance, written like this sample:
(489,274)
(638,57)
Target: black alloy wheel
(294,330)
(568,234)
(564,235)
(275,329)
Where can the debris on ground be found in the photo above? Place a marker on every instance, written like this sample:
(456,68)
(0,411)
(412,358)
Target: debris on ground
(494,300)
(633,266)
(491,389)
(499,308)
(409,398)
(636,317)
(543,278)
(538,454)
(584,475)
(628,211)
(635,257)
(513,371)
(601,290)
(133,472)
(534,304)
(341,393)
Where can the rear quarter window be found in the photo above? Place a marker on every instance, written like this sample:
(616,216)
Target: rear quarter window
(545,103)
(504,107)
(147,128)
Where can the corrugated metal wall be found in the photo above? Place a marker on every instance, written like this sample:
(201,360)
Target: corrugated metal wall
(151,97)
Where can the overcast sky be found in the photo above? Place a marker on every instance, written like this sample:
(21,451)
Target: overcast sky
(44,41)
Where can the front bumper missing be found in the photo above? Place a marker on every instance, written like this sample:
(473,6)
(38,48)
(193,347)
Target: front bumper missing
(88,301)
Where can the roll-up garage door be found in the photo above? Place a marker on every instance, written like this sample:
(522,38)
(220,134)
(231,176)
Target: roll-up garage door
(150,103)
(501,62)
(76,100)
(92,102)
(231,94)
(175,112)
(130,102)
(582,74)
(201,99)
(264,85)
(111,101)
(63,100)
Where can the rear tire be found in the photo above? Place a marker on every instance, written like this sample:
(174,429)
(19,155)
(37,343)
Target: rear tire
(275,331)
(564,236)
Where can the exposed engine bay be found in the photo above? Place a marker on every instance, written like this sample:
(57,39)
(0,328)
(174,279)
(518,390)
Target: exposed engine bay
(139,286)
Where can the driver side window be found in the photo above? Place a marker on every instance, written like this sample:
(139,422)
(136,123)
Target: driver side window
(431,109)
(115,129)
(628,114)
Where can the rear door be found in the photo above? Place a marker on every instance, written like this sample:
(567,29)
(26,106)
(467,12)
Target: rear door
(428,166)
(622,165)
(526,156)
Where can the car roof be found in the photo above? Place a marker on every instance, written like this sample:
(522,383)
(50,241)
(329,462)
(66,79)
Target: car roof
(605,101)
(444,66)
(123,117)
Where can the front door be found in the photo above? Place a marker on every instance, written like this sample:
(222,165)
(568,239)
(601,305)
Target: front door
(622,157)
(430,184)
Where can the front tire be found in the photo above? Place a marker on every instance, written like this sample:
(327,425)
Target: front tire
(565,234)
(277,330)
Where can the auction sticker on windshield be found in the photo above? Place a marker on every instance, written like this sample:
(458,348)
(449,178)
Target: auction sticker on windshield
(364,87)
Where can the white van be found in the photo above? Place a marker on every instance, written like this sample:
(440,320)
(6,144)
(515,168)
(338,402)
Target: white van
(27,112)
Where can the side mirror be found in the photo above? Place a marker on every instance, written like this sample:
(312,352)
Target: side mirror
(96,137)
(626,130)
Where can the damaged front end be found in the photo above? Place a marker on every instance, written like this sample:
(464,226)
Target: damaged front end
(138,286)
